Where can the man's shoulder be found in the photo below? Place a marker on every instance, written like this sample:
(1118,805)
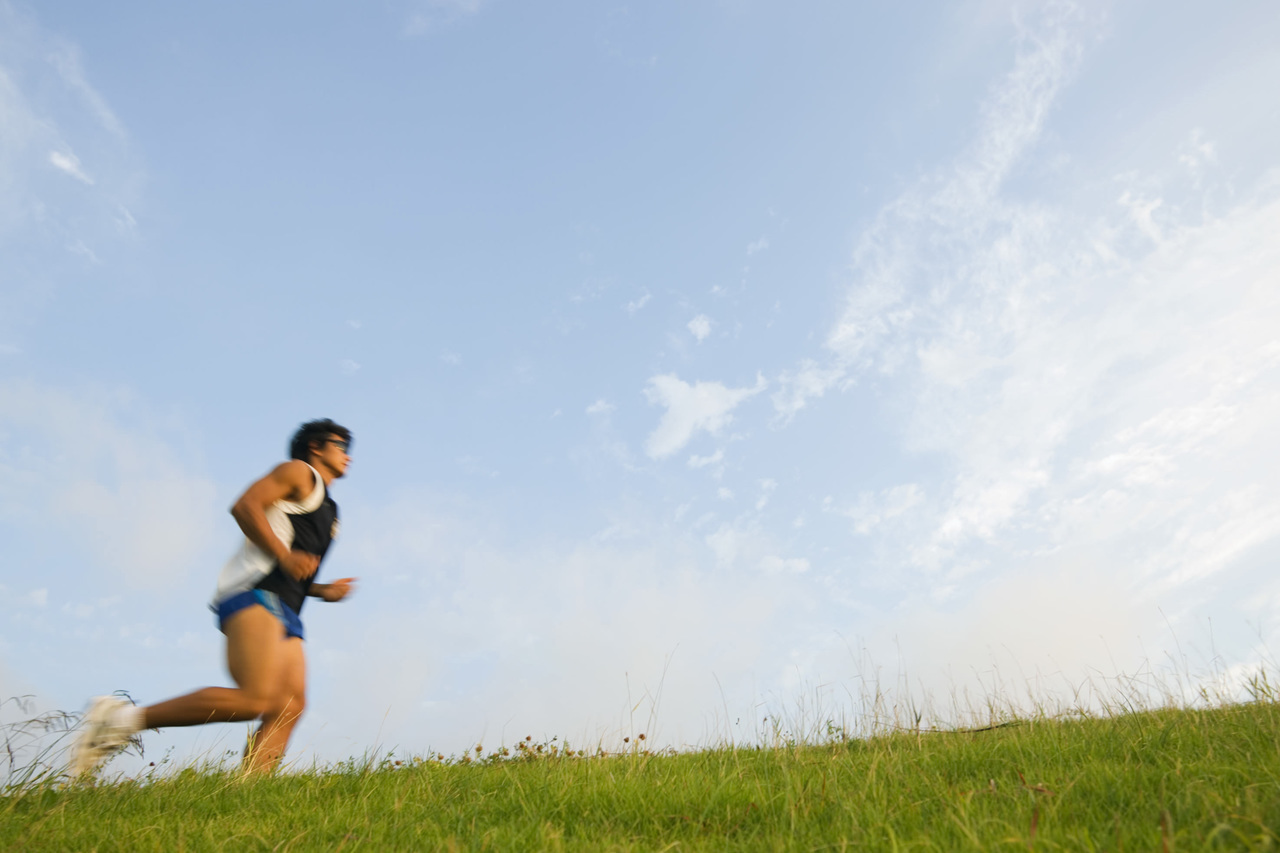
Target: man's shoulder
(294,467)
(296,473)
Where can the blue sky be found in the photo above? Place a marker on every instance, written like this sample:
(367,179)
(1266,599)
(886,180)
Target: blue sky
(702,357)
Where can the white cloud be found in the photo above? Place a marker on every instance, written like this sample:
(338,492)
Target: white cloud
(796,388)
(601,407)
(701,407)
(1197,153)
(1097,388)
(726,543)
(745,544)
(696,461)
(700,327)
(70,164)
(1141,211)
(872,510)
(636,304)
(348,367)
(79,248)
(1142,394)
(1099,384)
(1057,635)
(784,565)
(615,637)
(963,203)
(49,137)
(757,246)
(86,610)
(75,468)
(431,14)
(125,221)
(66,59)
(767,488)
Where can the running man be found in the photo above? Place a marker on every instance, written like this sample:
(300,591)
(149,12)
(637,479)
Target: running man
(289,520)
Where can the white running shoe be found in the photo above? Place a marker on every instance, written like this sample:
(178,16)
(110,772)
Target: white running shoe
(100,736)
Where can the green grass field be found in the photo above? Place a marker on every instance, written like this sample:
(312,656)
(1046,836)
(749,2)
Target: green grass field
(1199,779)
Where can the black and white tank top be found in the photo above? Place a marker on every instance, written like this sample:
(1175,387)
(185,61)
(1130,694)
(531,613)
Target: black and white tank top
(309,525)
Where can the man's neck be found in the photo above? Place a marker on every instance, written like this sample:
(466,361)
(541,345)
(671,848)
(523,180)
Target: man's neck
(326,473)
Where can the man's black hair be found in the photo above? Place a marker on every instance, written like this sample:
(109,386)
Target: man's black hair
(314,432)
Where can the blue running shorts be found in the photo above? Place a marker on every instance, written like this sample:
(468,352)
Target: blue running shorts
(291,621)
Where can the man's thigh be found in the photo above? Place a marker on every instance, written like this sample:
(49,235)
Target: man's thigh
(256,650)
(293,672)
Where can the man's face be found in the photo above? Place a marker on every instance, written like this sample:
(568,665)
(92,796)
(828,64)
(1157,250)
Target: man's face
(332,454)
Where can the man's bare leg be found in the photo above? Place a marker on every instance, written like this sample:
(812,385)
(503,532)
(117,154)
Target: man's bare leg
(267,745)
(255,657)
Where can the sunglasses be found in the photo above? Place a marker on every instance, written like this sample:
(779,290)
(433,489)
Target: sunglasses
(341,443)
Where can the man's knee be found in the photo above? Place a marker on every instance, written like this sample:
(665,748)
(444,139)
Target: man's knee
(261,706)
(287,705)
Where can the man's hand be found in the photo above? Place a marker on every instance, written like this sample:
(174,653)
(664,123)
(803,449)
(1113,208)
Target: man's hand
(299,565)
(335,591)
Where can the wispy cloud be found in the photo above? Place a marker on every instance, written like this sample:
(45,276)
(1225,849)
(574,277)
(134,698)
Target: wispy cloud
(65,58)
(1197,154)
(809,381)
(70,164)
(79,248)
(636,304)
(601,407)
(871,510)
(700,327)
(429,15)
(700,407)
(767,488)
(49,137)
(716,458)
(1096,381)
(86,467)
(550,658)
(913,252)
(784,565)
(1060,382)
(915,239)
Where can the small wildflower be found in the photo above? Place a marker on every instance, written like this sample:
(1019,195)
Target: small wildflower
(626,740)
(641,737)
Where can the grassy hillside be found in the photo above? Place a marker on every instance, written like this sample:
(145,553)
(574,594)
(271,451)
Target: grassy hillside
(1162,780)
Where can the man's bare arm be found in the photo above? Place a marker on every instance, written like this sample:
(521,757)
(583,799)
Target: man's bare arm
(290,480)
